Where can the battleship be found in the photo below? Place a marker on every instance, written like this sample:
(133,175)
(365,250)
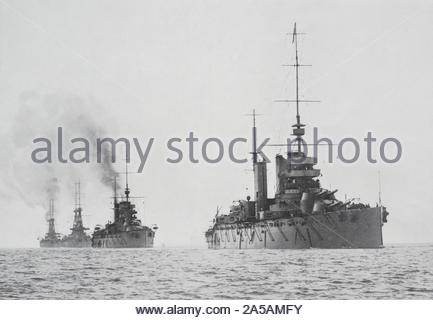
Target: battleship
(302,214)
(78,237)
(52,238)
(126,231)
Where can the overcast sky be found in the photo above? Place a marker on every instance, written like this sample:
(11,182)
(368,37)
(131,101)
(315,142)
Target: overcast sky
(162,69)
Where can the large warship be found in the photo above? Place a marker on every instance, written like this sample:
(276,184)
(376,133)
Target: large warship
(302,214)
(52,238)
(78,237)
(126,231)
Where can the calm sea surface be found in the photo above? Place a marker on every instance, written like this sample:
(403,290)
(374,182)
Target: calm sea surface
(397,271)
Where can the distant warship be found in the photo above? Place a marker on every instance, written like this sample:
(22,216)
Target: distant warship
(78,237)
(126,231)
(302,214)
(52,238)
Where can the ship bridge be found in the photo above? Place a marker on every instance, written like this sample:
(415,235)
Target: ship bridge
(296,167)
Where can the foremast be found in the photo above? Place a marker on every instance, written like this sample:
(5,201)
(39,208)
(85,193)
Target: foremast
(77,226)
(51,234)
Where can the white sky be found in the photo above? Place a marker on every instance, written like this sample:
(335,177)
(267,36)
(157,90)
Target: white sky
(162,69)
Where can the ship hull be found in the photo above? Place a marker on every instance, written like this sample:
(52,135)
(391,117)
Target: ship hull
(356,228)
(126,239)
(87,243)
(50,244)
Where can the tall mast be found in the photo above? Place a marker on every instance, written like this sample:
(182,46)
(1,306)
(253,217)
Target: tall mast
(127,187)
(75,196)
(295,40)
(254,138)
(115,205)
(126,171)
(380,190)
(79,193)
(51,229)
(298,131)
(298,128)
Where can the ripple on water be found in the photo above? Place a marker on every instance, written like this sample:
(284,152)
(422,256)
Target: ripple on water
(395,272)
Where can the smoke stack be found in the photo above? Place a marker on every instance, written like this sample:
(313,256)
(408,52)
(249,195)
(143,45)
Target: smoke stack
(260,185)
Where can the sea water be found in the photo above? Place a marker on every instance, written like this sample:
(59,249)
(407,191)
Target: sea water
(393,272)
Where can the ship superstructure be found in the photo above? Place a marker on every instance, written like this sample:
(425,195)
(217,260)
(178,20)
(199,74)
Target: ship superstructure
(78,238)
(52,238)
(302,214)
(126,230)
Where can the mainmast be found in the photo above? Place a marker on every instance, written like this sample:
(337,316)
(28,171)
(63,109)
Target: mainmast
(77,196)
(380,190)
(78,220)
(51,229)
(295,40)
(127,187)
(254,138)
(50,213)
(115,204)
(298,128)
(77,209)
